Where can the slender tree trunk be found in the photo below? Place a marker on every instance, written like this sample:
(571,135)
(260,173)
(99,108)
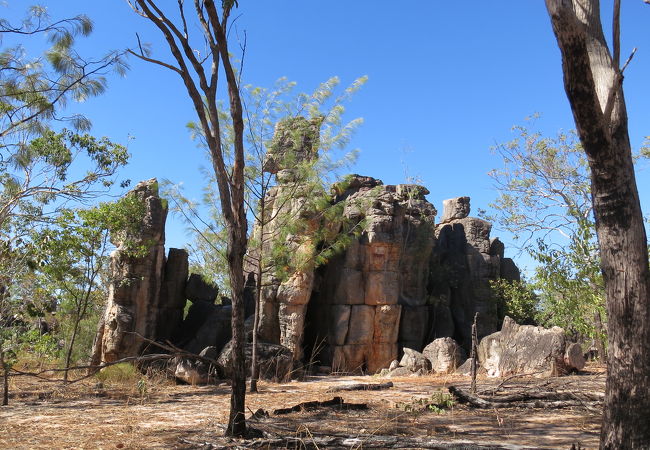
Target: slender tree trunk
(68,355)
(236,251)
(256,315)
(5,378)
(593,83)
(200,78)
(474,354)
(258,294)
(602,333)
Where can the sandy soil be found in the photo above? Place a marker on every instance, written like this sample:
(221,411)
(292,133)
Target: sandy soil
(159,414)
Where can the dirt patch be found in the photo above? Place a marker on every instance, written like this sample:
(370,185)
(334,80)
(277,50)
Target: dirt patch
(159,414)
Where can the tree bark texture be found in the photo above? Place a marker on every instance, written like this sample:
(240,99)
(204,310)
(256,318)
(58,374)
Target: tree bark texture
(593,83)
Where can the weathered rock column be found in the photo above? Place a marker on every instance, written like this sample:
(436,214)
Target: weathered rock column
(468,260)
(379,276)
(143,300)
(284,302)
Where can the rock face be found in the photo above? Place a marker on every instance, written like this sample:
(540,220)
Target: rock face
(525,349)
(402,283)
(363,295)
(144,298)
(148,293)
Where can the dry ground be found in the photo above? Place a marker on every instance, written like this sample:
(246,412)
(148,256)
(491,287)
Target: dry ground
(158,414)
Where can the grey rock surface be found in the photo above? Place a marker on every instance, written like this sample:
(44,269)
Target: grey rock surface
(414,361)
(445,355)
(523,349)
(455,208)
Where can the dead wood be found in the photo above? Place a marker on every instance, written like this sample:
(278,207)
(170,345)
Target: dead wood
(336,402)
(527,400)
(362,387)
(366,441)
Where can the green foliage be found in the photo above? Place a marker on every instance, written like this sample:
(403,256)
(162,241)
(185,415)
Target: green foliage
(315,123)
(43,172)
(570,283)
(516,299)
(545,201)
(33,89)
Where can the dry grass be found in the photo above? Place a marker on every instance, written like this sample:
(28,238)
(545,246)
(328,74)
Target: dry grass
(163,415)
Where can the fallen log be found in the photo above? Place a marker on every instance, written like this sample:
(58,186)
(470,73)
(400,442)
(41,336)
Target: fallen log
(373,441)
(362,387)
(524,400)
(336,402)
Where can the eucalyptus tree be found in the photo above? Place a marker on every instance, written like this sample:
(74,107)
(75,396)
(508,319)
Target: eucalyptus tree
(199,73)
(593,81)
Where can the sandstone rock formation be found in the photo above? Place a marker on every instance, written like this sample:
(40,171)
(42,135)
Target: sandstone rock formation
(144,299)
(526,349)
(402,283)
(148,293)
(363,295)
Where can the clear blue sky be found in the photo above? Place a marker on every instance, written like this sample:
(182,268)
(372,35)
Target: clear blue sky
(447,80)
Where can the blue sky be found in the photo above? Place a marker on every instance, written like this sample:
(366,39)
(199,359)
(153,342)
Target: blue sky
(447,80)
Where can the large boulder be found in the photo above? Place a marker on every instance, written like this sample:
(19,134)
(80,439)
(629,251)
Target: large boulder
(444,354)
(455,208)
(574,357)
(196,371)
(524,349)
(414,361)
(275,361)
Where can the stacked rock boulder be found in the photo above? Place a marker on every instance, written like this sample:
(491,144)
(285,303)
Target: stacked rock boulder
(464,261)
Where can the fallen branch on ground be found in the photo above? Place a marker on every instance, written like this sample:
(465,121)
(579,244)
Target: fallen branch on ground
(336,402)
(362,387)
(527,400)
(363,441)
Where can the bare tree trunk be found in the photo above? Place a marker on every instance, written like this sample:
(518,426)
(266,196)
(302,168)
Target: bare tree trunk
(200,77)
(5,378)
(600,345)
(237,420)
(474,354)
(256,317)
(593,83)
